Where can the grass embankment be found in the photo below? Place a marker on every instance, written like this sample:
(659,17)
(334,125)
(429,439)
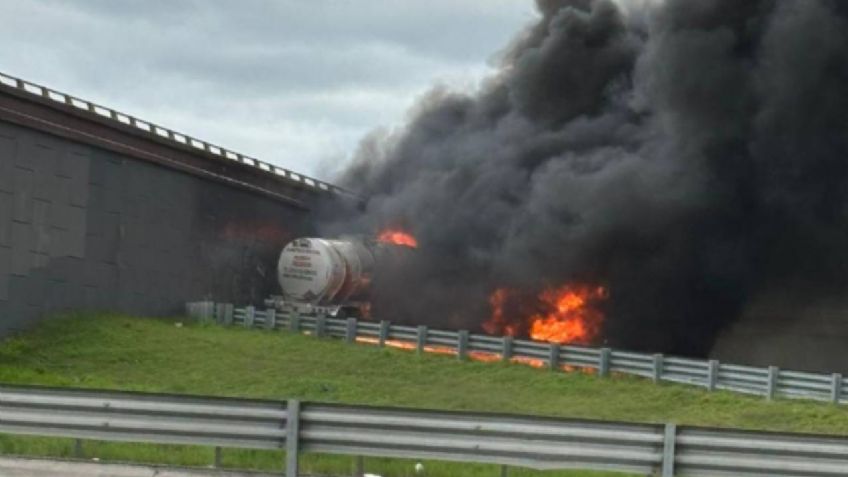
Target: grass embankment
(118,352)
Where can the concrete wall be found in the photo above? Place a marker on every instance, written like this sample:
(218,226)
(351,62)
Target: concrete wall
(791,329)
(85,228)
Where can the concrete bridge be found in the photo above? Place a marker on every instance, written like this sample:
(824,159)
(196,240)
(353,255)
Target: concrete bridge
(103,210)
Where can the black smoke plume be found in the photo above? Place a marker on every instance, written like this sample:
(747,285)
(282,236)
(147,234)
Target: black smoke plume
(686,154)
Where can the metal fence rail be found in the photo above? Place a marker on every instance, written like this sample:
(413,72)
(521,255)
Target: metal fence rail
(540,443)
(769,382)
(161,419)
(162,133)
(509,440)
(710,452)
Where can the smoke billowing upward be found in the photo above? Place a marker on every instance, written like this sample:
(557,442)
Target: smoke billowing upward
(687,155)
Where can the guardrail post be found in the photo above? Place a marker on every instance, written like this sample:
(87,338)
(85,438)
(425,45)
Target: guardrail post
(294,321)
(249,315)
(229,310)
(462,345)
(553,356)
(771,385)
(836,388)
(669,441)
(506,350)
(270,319)
(712,374)
(320,324)
(658,367)
(360,466)
(350,331)
(207,311)
(504,471)
(604,362)
(422,339)
(384,332)
(292,437)
(78,452)
(217,462)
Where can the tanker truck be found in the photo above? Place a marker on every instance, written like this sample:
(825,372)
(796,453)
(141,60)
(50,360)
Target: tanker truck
(332,277)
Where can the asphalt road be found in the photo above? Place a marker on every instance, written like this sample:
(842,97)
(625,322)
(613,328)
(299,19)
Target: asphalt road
(24,467)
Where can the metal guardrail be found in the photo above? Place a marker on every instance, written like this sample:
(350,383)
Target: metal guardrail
(162,419)
(302,427)
(538,443)
(769,382)
(162,133)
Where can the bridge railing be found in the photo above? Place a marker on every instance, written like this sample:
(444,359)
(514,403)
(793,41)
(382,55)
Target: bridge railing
(162,133)
(509,440)
(769,382)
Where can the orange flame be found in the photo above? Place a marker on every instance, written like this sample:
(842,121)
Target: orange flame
(397,237)
(498,323)
(568,314)
(483,356)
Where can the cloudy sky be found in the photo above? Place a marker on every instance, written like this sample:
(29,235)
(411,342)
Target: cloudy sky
(293,82)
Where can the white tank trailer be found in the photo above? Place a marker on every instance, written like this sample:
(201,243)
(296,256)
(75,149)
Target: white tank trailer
(332,277)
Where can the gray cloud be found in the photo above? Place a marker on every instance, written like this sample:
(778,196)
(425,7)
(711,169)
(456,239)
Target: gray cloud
(292,82)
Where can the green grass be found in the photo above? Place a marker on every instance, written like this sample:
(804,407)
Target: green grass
(118,352)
